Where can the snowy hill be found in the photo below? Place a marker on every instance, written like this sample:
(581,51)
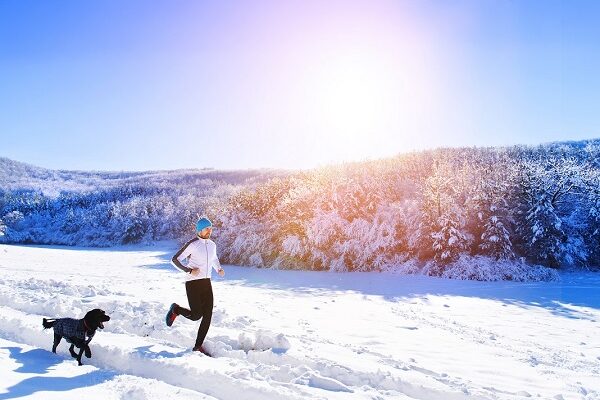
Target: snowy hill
(293,334)
(16,175)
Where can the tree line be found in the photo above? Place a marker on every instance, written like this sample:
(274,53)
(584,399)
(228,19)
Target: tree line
(430,210)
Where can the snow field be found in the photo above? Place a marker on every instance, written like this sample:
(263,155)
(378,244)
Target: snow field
(287,335)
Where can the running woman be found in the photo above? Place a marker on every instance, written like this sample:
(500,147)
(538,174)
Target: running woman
(201,253)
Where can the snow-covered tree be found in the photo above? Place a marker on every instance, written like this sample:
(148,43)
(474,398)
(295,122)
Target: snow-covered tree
(548,216)
(441,231)
(591,233)
(491,180)
(546,234)
(495,239)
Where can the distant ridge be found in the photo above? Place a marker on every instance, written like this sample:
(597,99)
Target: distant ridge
(16,175)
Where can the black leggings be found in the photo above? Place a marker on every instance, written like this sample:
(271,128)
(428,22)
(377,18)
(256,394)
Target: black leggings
(200,297)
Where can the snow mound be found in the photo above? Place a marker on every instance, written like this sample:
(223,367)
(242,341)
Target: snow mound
(478,268)
(264,340)
(317,381)
(486,269)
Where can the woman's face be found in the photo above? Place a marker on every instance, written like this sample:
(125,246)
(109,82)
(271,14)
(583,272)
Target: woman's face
(205,233)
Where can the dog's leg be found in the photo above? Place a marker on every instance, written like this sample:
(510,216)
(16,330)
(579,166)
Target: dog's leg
(88,351)
(80,354)
(57,339)
(72,351)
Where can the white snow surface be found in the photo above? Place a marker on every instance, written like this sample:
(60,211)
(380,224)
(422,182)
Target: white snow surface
(292,334)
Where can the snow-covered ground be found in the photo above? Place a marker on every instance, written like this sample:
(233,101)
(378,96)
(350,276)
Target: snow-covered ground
(293,335)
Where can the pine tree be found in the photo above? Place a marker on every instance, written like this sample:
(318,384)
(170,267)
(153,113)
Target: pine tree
(592,230)
(546,232)
(441,231)
(491,215)
(495,239)
(431,209)
(449,241)
(547,224)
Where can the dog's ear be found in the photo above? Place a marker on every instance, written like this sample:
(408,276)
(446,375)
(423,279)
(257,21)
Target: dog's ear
(89,315)
(93,313)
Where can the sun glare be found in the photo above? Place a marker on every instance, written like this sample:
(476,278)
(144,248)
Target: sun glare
(364,103)
(351,99)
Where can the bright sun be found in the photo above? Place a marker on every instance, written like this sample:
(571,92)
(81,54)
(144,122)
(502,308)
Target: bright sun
(353,100)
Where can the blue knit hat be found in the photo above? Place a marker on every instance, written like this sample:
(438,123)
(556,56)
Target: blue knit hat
(203,223)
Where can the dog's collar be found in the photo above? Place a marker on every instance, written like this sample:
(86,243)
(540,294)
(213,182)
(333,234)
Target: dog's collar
(87,328)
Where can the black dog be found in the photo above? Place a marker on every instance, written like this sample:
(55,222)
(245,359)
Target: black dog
(75,331)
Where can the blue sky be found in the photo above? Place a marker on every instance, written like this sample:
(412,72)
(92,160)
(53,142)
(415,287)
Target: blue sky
(139,85)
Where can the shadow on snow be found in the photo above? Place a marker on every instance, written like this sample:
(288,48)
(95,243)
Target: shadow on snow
(38,361)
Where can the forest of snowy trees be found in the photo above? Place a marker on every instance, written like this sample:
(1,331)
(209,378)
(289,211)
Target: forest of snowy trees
(469,213)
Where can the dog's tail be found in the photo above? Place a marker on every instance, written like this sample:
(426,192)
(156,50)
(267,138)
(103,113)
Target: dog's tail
(48,323)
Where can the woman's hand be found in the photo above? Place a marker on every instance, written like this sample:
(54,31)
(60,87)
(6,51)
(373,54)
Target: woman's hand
(195,272)
(221,272)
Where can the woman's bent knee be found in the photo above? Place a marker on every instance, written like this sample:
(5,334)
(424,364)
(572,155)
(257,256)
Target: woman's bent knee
(195,317)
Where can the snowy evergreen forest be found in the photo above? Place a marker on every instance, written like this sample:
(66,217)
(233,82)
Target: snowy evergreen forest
(469,213)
